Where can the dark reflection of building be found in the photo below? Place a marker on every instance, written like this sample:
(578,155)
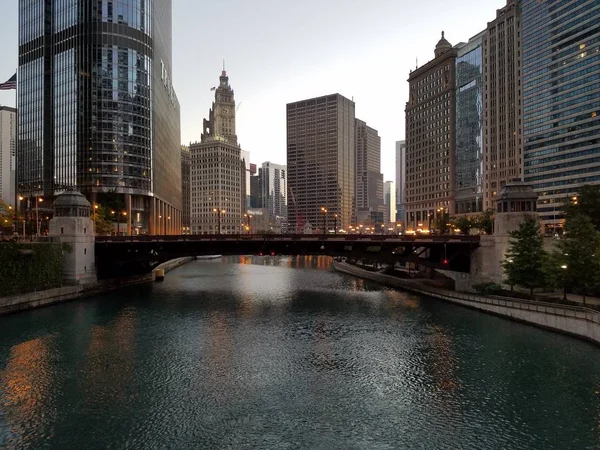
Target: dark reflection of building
(468,190)
(97,109)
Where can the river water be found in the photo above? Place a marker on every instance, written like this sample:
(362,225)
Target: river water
(283,353)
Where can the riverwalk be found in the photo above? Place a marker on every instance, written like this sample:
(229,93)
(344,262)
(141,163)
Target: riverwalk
(577,321)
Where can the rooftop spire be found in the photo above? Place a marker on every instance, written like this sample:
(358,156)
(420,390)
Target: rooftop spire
(224,73)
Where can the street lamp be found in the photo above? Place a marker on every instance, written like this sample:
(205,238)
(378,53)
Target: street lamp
(219,211)
(324,211)
(37,221)
(564,267)
(335,216)
(248,217)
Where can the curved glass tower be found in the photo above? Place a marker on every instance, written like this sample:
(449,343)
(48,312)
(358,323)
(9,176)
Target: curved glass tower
(97,109)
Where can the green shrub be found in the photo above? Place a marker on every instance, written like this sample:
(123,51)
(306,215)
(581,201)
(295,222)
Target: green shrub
(29,267)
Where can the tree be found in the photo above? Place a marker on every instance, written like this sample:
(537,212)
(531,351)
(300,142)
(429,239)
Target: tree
(485,222)
(442,223)
(464,224)
(587,202)
(525,259)
(579,251)
(6,218)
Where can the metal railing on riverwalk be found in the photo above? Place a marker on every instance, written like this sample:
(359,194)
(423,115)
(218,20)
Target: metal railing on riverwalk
(577,312)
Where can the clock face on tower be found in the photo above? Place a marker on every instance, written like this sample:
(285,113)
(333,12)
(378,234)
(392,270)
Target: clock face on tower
(225,111)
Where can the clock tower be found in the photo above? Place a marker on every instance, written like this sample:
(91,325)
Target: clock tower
(221,122)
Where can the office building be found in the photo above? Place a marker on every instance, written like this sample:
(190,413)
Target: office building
(247,174)
(256,198)
(561,101)
(389,199)
(468,157)
(8,130)
(321,163)
(400,179)
(274,189)
(97,110)
(369,179)
(186,161)
(502,128)
(218,171)
(430,139)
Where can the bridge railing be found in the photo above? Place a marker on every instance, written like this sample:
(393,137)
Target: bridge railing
(292,237)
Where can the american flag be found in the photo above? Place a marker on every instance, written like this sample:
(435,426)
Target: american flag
(10,84)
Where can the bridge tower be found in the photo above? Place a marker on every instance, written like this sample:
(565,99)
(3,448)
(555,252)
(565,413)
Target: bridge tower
(72,225)
(516,201)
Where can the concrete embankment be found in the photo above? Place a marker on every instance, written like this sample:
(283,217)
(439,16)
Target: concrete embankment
(61,294)
(576,321)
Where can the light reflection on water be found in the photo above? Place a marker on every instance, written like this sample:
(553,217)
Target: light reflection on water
(281,352)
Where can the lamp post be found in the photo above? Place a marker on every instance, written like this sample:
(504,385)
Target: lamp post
(324,211)
(21,198)
(37,220)
(564,267)
(248,216)
(335,226)
(219,211)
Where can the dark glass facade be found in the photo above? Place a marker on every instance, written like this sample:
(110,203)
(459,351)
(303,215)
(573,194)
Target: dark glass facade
(99,110)
(561,100)
(468,189)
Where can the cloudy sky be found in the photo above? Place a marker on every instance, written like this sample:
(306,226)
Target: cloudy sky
(280,51)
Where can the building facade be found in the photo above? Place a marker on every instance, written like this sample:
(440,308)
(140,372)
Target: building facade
(400,180)
(256,196)
(245,155)
(218,171)
(321,158)
(389,199)
(468,168)
(561,101)
(502,127)
(96,107)
(430,139)
(186,162)
(274,189)
(8,147)
(369,179)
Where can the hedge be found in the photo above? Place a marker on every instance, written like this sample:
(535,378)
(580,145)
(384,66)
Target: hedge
(29,267)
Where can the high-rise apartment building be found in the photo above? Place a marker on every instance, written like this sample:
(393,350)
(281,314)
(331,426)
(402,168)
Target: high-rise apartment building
(321,158)
(245,155)
(430,138)
(186,162)
(256,198)
(561,101)
(8,131)
(274,189)
(96,107)
(369,179)
(400,179)
(502,127)
(468,156)
(218,171)
(389,199)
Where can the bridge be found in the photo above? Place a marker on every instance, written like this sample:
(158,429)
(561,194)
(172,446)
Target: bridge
(118,256)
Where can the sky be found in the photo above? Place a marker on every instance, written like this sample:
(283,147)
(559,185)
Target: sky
(281,51)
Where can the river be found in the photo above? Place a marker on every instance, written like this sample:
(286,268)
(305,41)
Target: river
(284,353)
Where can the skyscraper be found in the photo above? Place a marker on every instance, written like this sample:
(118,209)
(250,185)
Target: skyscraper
(8,130)
(218,172)
(430,138)
(321,162)
(468,167)
(369,179)
(561,101)
(502,128)
(186,162)
(400,180)
(97,109)
(274,189)
(389,199)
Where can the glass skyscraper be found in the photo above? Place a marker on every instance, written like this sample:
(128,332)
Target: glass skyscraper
(97,109)
(468,192)
(561,100)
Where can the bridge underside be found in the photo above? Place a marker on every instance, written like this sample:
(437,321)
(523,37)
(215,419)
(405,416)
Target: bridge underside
(127,256)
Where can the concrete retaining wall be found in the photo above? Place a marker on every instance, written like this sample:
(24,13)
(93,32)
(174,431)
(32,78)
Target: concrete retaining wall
(576,321)
(47,297)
